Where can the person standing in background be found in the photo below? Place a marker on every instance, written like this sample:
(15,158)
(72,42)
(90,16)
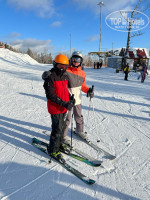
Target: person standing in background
(126,71)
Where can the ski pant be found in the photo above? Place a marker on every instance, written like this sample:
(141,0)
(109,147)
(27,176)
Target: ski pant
(126,76)
(58,127)
(78,119)
(143,77)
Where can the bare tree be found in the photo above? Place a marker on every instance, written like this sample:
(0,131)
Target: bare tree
(138,8)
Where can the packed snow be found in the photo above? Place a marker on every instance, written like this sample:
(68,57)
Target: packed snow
(118,116)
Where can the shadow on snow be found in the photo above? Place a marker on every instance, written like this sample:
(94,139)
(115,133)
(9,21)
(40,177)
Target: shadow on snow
(32,181)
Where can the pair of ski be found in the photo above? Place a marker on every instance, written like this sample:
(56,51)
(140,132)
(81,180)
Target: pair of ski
(106,154)
(86,159)
(83,157)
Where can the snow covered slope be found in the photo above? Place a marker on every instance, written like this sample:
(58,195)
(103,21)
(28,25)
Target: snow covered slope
(16,58)
(121,121)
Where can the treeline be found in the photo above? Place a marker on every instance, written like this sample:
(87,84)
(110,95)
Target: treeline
(45,58)
(41,58)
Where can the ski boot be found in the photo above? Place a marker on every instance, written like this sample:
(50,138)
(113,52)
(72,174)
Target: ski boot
(65,149)
(82,134)
(58,156)
(66,140)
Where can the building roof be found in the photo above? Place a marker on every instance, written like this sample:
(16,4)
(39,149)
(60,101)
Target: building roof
(135,53)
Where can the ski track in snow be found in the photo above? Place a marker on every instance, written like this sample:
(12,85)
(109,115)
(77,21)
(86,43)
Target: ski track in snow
(145,163)
(12,159)
(4,147)
(129,144)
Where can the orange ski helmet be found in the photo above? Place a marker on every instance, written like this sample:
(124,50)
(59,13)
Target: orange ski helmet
(61,62)
(62,59)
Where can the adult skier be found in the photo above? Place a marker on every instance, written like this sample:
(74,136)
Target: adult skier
(56,83)
(143,73)
(126,71)
(78,85)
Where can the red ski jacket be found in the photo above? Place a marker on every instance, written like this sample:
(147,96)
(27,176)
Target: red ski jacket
(56,89)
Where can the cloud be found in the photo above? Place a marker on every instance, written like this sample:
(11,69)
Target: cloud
(56,24)
(32,43)
(93,38)
(43,8)
(46,8)
(109,5)
(38,46)
(12,35)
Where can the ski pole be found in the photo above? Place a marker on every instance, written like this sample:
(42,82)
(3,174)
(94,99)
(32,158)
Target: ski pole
(65,117)
(90,104)
(72,122)
(92,90)
(71,128)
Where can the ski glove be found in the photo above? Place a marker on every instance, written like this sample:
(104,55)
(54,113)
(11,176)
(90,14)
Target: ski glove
(90,93)
(68,104)
(71,97)
(46,75)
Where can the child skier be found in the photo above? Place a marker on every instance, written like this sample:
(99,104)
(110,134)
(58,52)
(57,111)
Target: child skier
(56,84)
(78,83)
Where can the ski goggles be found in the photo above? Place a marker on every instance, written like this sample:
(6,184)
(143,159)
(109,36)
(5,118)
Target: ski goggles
(76,59)
(62,66)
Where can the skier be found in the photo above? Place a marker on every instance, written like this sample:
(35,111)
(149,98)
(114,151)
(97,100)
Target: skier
(143,73)
(56,84)
(126,71)
(98,65)
(101,63)
(78,84)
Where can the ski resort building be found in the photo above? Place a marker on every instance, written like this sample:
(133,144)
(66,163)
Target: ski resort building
(136,58)
(1,45)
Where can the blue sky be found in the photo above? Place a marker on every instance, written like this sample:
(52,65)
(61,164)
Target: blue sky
(46,25)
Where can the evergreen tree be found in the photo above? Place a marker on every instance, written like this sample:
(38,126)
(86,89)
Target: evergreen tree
(30,53)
